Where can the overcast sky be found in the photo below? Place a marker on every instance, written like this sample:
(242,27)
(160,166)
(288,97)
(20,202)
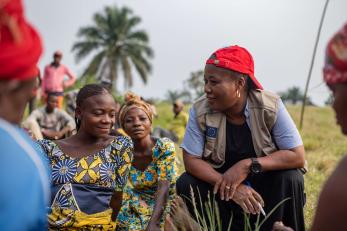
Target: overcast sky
(280,34)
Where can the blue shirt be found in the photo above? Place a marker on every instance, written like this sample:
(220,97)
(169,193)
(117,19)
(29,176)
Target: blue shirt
(284,132)
(24,190)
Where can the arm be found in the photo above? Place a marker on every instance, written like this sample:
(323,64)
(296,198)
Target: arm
(161,198)
(123,159)
(332,203)
(70,123)
(71,76)
(200,168)
(284,159)
(116,204)
(291,153)
(167,173)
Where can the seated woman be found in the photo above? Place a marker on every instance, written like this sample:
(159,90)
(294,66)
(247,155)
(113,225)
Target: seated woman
(90,168)
(241,143)
(151,184)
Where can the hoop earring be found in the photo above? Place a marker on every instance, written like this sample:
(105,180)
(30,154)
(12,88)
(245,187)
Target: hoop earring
(238,94)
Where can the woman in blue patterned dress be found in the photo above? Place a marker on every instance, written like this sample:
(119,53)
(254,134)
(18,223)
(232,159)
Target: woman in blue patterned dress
(152,178)
(89,169)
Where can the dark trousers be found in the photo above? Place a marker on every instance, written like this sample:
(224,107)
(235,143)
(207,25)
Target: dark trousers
(273,186)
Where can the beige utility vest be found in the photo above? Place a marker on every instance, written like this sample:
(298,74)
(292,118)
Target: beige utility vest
(262,106)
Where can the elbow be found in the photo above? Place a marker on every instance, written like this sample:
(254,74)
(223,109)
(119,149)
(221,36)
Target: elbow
(187,159)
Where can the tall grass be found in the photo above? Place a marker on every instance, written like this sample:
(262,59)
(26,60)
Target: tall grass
(210,218)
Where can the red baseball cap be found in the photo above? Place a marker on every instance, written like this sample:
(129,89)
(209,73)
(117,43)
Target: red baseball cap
(235,58)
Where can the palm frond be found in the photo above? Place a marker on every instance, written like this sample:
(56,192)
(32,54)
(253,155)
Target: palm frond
(116,41)
(94,65)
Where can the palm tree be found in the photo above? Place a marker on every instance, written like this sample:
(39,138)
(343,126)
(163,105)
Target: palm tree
(117,46)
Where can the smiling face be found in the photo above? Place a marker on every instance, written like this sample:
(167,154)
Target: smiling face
(221,87)
(97,115)
(340,105)
(137,124)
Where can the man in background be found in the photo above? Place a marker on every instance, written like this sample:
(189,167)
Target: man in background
(177,125)
(50,122)
(53,80)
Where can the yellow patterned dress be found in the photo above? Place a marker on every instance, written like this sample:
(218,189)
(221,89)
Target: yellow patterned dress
(139,193)
(82,187)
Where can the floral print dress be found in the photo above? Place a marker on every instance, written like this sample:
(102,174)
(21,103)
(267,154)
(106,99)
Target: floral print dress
(82,187)
(139,193)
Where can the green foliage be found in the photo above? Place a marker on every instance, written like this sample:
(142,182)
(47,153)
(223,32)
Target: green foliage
(173,95)
(294,95)
(116,45)
(196,83)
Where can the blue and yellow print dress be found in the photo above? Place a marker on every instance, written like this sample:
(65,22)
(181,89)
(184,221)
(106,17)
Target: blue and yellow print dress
(82,187)
(139,193)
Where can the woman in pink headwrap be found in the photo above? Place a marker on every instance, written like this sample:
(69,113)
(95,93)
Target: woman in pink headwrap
(24,189)
(332,204)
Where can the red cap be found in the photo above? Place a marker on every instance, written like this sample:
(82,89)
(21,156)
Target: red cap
(235,58)
(335,69)
(20,44)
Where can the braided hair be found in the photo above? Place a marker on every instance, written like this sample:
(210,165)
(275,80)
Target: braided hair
(84,93)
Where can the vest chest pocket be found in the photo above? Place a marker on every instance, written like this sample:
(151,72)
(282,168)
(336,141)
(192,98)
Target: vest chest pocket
(209,147)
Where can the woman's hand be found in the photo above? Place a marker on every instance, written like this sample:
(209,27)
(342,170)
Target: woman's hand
(231,179)
(249,200)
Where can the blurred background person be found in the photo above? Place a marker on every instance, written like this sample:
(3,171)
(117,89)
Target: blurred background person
(70,103)
(177,125)
(24,191)
(53,80)
(50,122)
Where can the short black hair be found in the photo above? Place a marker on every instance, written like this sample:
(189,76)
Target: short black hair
(87,91)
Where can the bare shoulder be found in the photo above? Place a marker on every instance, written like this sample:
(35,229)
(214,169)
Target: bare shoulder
(330,214)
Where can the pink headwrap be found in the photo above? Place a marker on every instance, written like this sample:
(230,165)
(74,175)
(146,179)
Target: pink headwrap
(335,69)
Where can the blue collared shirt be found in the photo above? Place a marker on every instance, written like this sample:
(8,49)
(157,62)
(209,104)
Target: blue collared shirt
(284,132)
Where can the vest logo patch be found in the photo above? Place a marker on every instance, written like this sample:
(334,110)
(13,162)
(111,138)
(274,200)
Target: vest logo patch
(211,132)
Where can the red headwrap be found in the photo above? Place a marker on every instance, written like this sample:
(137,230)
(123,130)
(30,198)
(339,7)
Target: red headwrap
(20,44)
(335,69)
(235,58)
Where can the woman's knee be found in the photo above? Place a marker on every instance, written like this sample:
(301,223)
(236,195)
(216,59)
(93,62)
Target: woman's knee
(187,182)
(289,176)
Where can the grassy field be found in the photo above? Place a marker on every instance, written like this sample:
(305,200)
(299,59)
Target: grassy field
(323,142)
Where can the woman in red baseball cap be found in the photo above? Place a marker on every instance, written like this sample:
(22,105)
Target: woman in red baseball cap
(242,144)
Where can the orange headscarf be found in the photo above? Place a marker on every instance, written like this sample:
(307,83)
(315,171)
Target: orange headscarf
(134,101)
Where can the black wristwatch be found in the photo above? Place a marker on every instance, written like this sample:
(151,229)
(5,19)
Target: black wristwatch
(255,166)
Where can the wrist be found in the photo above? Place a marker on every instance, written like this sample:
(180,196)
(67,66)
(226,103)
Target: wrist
(247,165)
